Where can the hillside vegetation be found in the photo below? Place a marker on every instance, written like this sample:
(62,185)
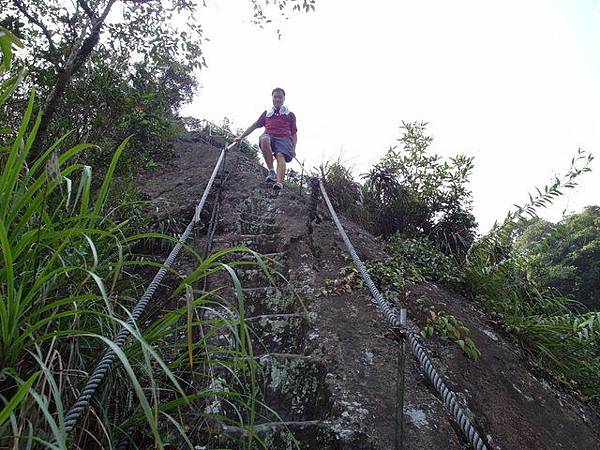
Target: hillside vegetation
(84,114)
(536,278)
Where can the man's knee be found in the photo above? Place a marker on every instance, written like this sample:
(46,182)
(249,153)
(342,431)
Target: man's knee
(265,139)
(280,157)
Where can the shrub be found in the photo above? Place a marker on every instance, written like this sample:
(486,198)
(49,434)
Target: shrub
(565,255)
(415,193)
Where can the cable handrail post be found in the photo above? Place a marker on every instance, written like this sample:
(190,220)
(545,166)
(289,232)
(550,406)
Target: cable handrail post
(400,383)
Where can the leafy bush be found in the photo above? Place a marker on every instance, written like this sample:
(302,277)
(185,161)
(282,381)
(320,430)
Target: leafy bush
(448,326)
(416,193)
(409,192)
(496,273)
(419,256)
(343,191)
(565,255)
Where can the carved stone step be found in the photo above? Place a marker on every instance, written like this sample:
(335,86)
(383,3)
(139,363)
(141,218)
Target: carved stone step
(270,300)
(310,435)
(265,217)
(253,276)
(257,227)
(261,243)
(294,386)
(281,333)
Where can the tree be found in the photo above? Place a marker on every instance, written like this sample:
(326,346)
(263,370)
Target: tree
(565,255)
(63,36)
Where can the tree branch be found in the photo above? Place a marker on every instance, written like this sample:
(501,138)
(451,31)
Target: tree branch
(78,56)
(53,59)
(87,10)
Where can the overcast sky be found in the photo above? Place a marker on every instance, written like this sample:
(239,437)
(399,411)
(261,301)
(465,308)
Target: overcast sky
(514,83)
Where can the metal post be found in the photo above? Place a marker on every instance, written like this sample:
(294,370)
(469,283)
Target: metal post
(400,383)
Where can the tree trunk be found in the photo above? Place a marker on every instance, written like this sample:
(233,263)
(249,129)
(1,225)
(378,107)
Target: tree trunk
(77,58)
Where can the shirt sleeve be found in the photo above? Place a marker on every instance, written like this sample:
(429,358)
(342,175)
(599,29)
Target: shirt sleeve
(293,128)
(261,120)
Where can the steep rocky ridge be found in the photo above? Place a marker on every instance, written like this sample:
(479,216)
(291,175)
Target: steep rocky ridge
(329,363)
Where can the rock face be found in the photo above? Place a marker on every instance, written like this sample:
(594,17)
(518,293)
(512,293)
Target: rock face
(328,364)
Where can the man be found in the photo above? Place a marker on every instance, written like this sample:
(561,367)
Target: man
(279,139)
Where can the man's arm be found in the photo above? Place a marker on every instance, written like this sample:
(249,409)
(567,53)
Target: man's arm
(258,124)
(294,138)
(249,130)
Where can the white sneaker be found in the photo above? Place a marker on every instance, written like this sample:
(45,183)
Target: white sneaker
(277,186)
(272,176)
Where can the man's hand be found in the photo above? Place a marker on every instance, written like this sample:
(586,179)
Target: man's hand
(238,139)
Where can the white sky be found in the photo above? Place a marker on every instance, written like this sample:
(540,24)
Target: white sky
(514,83)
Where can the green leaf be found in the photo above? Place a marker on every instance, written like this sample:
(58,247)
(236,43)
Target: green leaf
(17,398)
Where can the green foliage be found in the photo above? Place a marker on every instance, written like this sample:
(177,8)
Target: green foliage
(106,76)
(449,326)
(412,260)
(416,261)
(344,192)
(409,192)
(349,280)
(520,271)
(416,193)
(496,273)
(419,258)
(566,255)
(142,103)
(66,284)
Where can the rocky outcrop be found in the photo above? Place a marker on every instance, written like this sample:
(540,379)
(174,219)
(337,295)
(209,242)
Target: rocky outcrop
(328,364)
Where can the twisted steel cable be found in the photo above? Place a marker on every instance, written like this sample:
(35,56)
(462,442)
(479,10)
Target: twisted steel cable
(417,348)
(99,372)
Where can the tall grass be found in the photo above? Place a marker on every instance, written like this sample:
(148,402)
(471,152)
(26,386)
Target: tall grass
(67,282)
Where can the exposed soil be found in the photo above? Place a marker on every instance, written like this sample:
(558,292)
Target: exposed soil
(329,363)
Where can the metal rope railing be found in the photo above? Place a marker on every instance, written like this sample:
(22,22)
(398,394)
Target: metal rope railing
(101,369)
(417,348)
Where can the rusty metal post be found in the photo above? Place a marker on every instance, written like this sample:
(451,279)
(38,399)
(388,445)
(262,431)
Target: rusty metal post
(313,215)
(313,201)
(400,383)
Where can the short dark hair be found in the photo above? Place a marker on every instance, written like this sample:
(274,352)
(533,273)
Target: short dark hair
(278,90)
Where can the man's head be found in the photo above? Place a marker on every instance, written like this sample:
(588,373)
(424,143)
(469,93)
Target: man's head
(278,95)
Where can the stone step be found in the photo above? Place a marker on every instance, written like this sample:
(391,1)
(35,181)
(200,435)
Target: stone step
(267,217)
(258,236)
(259,206)
(261,243)
(270,300)
(309,434)
(294,386)
(277,256)
(279,333)
(257,227)
(251,276)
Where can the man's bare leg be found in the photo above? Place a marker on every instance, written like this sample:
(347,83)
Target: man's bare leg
(280,167)
(265,146)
